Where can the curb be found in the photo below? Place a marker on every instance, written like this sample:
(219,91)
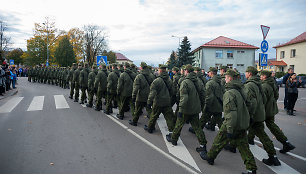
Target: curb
(14,93)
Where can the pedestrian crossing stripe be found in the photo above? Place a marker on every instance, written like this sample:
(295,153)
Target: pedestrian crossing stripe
(36,104)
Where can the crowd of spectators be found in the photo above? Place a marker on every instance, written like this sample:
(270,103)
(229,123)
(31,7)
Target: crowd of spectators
(8,77)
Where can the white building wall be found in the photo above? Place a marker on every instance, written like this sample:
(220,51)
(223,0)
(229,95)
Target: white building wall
(206,57)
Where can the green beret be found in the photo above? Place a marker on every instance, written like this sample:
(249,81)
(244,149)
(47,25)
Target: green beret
(213,69)
(231,73)
(224,67)
(175,69)
(252,70)
(197,68)
(143,64)
(189,68)
(266,73)
(127,65)
(162,66)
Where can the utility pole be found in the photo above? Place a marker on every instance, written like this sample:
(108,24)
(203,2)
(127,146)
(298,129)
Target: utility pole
(47,25)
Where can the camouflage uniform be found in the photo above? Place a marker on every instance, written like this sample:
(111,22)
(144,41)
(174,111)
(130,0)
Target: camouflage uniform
(100,85)
(91,88)
(76,77)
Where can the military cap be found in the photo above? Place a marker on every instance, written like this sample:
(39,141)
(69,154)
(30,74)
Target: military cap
(120,65)
(74,64)
(127,65)
(80,64)
(143,64)
(224,68)
(197,68)
(266,73)
(94,66)
(231,73)
(213,69)
(175,69)
(86,64)
(114,65)
(189,68)
(133,65)
(252,70)
(162,66)
(103,65)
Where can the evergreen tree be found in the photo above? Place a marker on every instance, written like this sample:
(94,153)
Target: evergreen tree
(184,53)
(64,53)
(172,60)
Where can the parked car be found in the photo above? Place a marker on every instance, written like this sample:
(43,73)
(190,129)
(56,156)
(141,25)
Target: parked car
(303,78)
(279,81)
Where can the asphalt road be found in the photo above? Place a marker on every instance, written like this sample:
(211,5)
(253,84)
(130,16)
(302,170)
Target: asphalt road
(43,131)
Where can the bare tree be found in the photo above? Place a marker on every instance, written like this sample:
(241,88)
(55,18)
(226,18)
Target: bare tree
(94,42)
(4,40)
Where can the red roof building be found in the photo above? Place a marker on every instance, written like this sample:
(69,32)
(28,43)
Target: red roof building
(298,39)
(224,51)
(120,58)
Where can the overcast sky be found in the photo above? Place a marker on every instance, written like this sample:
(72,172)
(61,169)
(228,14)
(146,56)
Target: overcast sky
(142,29)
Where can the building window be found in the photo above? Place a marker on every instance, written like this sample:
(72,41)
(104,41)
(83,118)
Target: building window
(219,54)
(292,53)
(282,54)
(292,67)
(230,66)
(271,67)
(230,54)
(240,51)
(240,65)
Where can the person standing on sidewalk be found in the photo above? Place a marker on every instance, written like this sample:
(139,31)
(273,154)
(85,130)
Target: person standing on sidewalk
(292,84)
(285,79)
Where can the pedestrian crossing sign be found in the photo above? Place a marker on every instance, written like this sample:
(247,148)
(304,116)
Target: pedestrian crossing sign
(101,59)
(263,59)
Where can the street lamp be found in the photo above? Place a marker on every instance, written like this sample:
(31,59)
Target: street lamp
(46,24)
(178,38)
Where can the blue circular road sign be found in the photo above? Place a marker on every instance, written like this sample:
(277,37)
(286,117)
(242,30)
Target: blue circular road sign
(264,46)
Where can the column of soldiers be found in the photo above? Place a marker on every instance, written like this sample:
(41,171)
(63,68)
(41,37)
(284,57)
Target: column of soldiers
(49,75)
(245,107)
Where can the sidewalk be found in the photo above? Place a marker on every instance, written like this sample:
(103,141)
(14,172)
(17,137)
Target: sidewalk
(9,93)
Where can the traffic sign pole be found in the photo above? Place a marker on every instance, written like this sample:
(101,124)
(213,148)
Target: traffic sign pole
(264,46)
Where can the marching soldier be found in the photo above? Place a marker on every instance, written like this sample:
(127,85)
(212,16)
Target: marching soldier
(91,88)
(124,89)
(192,94)
(70,78)
(112,81)
(160,94)
(84,82)
(141,89)
(100,85)
(213,101)
(256,108)
(271,95)
(234,126)
(76,78)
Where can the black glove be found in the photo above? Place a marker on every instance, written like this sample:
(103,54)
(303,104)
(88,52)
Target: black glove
(149,106)
(180,115)
(230,136)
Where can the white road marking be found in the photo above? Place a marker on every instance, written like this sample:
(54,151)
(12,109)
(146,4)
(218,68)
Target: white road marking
(10,105)
(259,153)
(37,103)
(289,153)
(60,102)
(153,146)
(180,151)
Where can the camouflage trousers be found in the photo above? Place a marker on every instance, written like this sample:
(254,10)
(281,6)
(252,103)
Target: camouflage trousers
(84,96)
(258,129)
(90,96)
(241,142)
(71,89)
(275,130)
(195,123)
(138,109)
(123,104)
(168,114)
(99,96)
(77,91)
(214,118)
(109,101)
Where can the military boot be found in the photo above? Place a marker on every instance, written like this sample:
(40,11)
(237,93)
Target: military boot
(204,156)
(120,116)
(230,148)
(146,128)
(98,108)
(131,122)
(89,105)
(169,139)
(272,160)
(251,141)
(287,147)
(201,148)
(191,130)
(250,172)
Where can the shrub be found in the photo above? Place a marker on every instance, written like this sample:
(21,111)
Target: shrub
(279,74)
